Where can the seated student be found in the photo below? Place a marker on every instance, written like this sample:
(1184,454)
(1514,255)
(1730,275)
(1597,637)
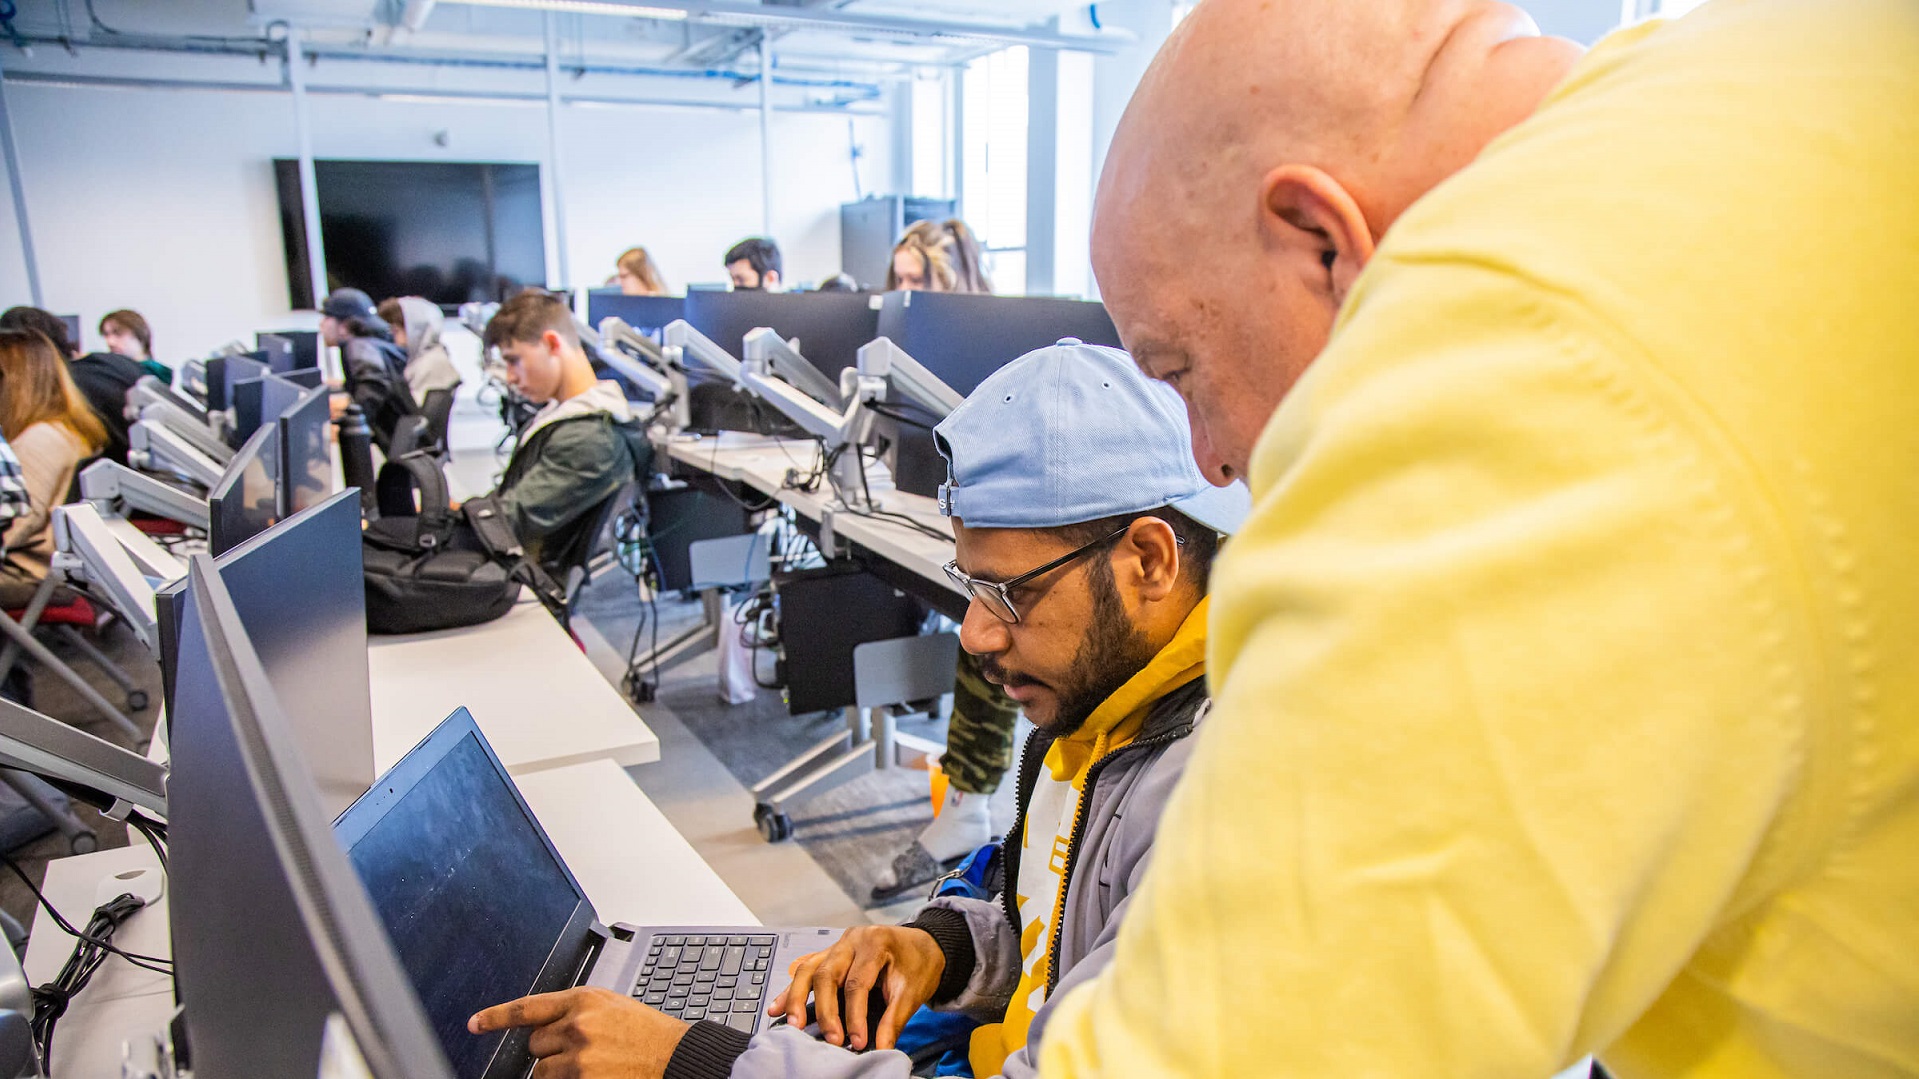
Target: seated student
(127,334)
(1089,604)
(52,430)
(582,444)
(417,324)
(636,275)
(102,377)
(754,264)
(938,256)
(374,366)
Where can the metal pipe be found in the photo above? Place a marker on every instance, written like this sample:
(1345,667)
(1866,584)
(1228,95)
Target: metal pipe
(309,187)
(766,138)
(555,185)
(19,198)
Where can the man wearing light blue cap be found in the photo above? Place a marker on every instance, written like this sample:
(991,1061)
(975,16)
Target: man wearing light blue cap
(1084,533)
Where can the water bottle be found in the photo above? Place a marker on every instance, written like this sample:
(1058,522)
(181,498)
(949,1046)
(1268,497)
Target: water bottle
(356,456)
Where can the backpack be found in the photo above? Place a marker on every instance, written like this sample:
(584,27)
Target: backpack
(428,568)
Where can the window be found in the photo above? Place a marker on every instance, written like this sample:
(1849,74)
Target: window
(993,162)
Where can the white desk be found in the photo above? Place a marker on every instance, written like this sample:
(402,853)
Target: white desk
(122,1001)
(633,864)
(762,464)
(540,701)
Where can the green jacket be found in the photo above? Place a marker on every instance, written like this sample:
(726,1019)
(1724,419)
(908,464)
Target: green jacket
(561,474)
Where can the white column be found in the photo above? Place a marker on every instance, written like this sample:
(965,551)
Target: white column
(556,188)
(19,197)
(309,188)
(766,138)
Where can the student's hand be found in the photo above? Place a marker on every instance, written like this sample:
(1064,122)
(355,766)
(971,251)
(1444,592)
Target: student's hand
(911,963)
(336,405)
(588,1034)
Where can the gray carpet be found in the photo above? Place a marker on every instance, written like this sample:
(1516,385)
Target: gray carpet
(852,831)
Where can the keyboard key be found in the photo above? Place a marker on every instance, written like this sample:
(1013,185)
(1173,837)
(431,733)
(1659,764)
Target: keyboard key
(759,978)
(736,942)
(693,1011)
(655,997)
(669,957)
(741,1021)
(764,951)
(697,1000)
(675,1001)
(710,959)
(731,958)
(746,1005)
(672,942)
(705,977)
(729,982)
(722,992)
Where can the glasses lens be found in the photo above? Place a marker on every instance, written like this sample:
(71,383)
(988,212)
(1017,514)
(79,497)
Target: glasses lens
(995,603)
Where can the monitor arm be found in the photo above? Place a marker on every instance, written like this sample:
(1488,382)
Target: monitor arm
(840,433)
(767,354)
(85,550)
(197,433)
(639,360)
(158,448)
(115,488)
(115,780)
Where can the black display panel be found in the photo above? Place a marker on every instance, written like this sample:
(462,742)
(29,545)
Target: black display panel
(449,231)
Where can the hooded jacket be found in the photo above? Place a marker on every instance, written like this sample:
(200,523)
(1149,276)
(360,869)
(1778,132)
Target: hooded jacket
(428,366)
(1006,961)
(574,454)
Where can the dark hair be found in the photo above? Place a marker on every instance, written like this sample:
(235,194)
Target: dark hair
(45,323)
(1199,544)
(760,253)
(528,316)
(839,282)
(133,323)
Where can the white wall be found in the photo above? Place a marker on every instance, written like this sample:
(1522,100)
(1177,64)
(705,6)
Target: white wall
(163,200)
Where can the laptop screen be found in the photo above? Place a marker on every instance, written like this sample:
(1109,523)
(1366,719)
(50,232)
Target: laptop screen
(472,895)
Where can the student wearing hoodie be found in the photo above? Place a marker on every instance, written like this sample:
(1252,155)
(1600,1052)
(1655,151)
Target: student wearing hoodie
(582,444)
(428,367)
(1083,533)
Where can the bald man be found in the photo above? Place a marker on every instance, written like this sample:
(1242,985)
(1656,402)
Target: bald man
(1569,702)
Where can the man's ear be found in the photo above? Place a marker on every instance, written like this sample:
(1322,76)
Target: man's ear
(1316,219)
(554,345)
(1153,543)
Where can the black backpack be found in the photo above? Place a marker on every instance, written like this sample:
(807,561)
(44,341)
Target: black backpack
(429,568)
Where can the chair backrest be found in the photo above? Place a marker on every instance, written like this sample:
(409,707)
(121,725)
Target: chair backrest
(904,669)
(729,561)
(566,557)
(437,409)
(410,434)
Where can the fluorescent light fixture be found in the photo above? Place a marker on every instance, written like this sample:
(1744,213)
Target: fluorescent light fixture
(584,7)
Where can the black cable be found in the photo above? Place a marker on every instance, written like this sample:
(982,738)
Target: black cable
(144,962)
(155,833)
(89,952)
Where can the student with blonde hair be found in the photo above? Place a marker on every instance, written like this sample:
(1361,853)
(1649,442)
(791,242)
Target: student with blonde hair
(52,429)
(636,275)
(937,256)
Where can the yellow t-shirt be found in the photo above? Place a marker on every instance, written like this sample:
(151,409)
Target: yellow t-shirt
(1567,671)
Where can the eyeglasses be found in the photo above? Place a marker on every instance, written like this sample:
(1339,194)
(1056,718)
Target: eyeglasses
(997,596)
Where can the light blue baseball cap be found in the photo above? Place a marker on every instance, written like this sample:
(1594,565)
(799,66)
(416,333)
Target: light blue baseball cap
(1072,433)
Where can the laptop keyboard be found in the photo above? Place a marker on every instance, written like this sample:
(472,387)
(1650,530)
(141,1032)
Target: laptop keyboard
(722,978)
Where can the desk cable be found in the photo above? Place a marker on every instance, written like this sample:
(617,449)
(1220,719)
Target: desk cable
(91,948)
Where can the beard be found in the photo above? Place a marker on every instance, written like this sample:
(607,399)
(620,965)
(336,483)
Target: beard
(1111,651)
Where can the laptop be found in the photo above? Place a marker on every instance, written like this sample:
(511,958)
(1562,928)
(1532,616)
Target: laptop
(482,909)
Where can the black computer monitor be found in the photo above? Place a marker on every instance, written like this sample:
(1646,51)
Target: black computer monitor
(261,400)
(73,328)
(647,314)
(246,501)
(306,459)
(301,593)
(224,371)
(830,326)
(274,938)
(962,338)
(278,349)
(306,347)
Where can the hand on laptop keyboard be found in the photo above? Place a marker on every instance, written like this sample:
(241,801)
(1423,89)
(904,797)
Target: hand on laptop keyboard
(873,978)
(588,1032)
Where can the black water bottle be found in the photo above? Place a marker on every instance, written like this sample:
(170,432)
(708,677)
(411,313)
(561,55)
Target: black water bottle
(356,456)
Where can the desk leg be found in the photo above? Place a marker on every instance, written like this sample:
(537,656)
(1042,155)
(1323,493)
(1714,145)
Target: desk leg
(834,761)
(688,642)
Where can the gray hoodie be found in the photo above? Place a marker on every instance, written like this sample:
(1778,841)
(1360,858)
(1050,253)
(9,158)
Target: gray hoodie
(428,367)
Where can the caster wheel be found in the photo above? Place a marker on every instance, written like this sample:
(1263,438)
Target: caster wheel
(137,700)
(85,843)
(775,827)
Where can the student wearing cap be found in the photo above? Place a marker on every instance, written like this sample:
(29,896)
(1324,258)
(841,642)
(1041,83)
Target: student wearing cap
(374,366)
(1083,533)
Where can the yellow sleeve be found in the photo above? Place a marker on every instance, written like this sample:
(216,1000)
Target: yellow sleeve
(1512,672)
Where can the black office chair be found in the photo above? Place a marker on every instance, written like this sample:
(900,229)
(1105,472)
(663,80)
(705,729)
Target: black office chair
(437,409)
(568,556)
(412,433)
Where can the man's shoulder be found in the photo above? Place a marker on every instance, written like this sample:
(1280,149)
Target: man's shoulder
(108,365)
